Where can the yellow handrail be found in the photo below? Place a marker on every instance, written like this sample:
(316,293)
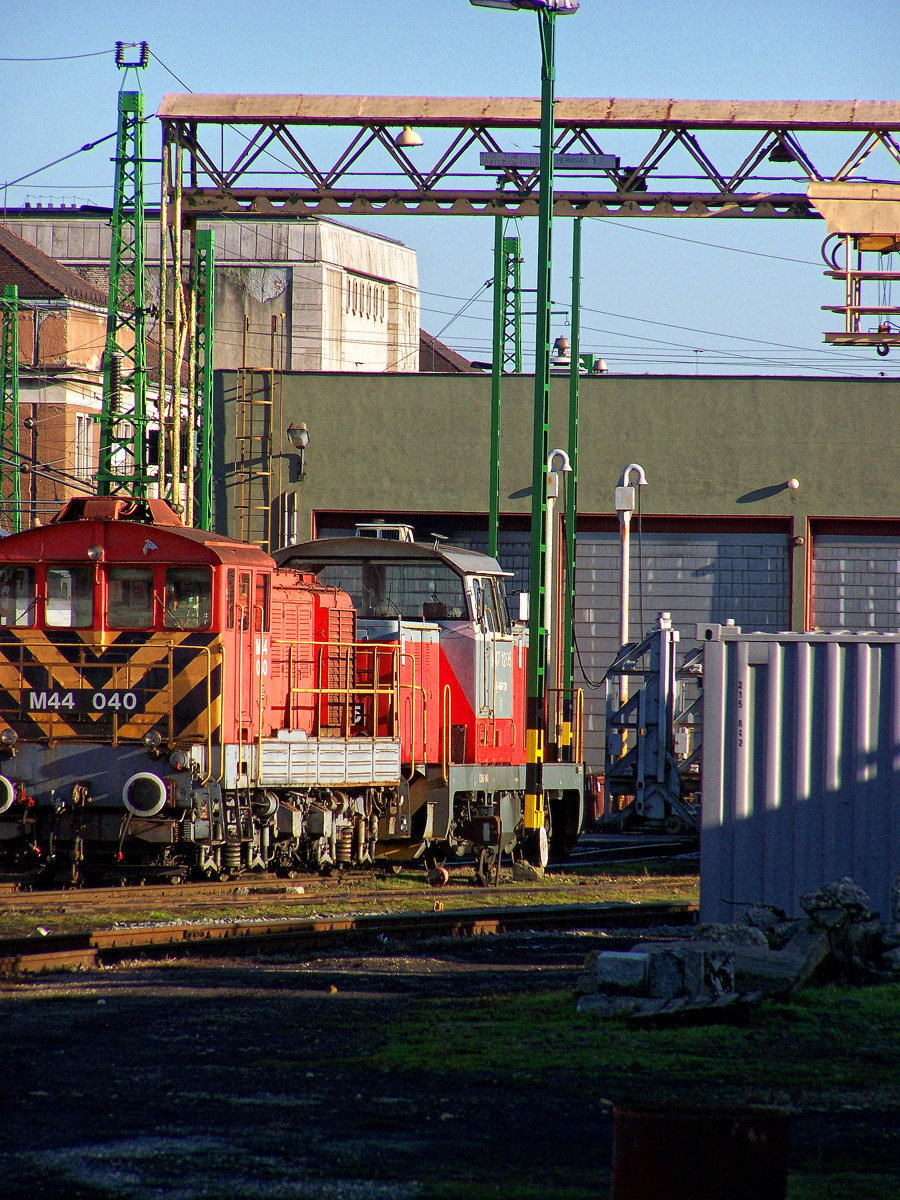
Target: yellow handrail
(445,758)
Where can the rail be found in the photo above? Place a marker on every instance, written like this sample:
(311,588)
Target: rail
(100,947)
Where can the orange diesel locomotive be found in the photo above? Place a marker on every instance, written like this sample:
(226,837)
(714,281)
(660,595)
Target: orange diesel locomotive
(175,702)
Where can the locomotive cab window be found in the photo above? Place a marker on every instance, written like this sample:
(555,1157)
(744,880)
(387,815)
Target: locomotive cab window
(130,597)
(502,607)
(261,607)
(243,603)
(406,591)
(188,598)
(229,599)
(70,597)
(487,612)
(18,596)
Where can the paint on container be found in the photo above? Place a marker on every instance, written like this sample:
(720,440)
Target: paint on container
(801,767)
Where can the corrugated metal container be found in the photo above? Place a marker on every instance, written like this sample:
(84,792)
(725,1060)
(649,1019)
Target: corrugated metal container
(801,767)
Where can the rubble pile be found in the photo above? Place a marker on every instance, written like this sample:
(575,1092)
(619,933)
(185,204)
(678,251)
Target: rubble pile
(721,971)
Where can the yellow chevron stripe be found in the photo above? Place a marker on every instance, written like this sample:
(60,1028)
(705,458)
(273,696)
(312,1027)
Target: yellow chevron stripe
(68,677)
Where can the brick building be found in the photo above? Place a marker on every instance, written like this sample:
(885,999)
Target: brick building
(62,334)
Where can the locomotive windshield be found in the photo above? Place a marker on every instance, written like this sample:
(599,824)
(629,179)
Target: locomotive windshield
(409,591)
(18,596)
(70,597)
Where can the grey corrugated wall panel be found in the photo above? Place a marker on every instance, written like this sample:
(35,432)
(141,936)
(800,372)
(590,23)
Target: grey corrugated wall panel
(801,768)
(856,582)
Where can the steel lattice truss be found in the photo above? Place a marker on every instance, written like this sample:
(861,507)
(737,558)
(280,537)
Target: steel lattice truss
(338,155)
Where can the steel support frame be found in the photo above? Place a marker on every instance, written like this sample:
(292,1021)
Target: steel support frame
(281,170)
(123,422)
(570,541)
(536,674)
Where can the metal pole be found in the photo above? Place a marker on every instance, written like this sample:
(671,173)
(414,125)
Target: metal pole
(625,495)
(568,671)
(535,839)
(496,373)
(123,422)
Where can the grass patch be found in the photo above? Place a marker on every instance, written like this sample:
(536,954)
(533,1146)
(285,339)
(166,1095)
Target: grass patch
(827,1046)
(831,1056)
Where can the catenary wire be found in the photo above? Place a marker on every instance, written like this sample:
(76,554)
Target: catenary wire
(59,57)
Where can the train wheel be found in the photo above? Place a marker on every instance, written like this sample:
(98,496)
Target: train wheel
(487,864)
(536,847)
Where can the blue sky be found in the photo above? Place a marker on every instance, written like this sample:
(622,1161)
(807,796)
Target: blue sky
(651,302)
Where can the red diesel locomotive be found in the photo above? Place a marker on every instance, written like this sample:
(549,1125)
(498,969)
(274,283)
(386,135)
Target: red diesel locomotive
(175,702)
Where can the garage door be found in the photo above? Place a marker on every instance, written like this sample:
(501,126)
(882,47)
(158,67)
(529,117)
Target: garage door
(856,582)
(696,577)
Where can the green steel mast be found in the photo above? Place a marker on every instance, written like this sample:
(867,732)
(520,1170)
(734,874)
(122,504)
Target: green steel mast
(512,305)
(507,353)
(123,463)
(204,300)
(10,477)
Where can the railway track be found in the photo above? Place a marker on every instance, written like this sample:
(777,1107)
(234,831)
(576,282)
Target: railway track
(106,947)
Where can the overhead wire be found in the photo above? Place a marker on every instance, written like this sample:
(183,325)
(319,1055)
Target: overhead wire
(60,57)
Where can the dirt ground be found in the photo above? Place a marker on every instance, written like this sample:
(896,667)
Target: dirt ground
(246,1079)
(233,1079)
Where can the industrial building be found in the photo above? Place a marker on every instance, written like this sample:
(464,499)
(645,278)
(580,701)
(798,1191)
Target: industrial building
(297,294)
(722,535)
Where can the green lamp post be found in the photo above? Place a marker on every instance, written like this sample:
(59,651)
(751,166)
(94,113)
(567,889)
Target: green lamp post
(535,838)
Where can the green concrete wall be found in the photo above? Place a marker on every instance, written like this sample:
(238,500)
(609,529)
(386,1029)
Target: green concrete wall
(712,447)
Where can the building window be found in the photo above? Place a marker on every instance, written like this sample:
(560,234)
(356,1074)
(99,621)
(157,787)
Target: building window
(84,446)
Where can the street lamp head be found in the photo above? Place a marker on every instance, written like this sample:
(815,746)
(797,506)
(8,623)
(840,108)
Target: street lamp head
(562,7)
(298,435)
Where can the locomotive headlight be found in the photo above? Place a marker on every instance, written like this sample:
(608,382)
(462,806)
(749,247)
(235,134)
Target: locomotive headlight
(95,553)
(179,760)
(8,738)
(144,794)
(7,794)
(152,739)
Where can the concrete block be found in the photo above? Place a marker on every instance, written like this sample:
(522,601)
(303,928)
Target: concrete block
(772,972)
(622,971)
(665,975)
(693,967)
(523,872)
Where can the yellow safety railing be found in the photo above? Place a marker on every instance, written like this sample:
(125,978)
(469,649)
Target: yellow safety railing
(445,747)
(573,736)
(354,691)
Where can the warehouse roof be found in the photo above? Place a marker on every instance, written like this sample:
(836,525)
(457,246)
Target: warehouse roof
(437,358)
(40,277)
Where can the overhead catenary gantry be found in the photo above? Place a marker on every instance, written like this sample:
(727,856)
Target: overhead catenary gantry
(281,162)
(346,156)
